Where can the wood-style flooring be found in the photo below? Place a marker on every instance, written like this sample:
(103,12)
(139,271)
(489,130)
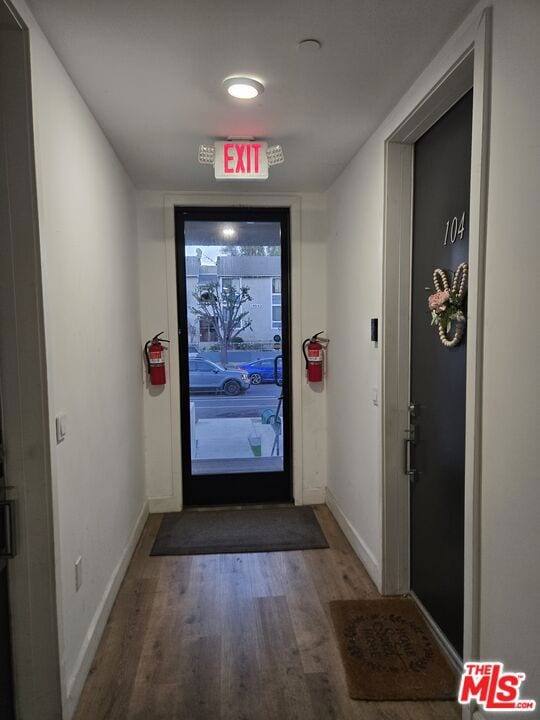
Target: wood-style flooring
(234,637)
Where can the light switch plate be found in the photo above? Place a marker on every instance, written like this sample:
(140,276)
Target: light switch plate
(61,427)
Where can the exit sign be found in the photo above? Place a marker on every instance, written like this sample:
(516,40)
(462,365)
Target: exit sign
(240,160)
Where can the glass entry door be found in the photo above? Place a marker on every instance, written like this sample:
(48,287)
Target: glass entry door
(233,315)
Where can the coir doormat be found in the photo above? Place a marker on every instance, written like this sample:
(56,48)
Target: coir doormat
(389,652)
(208,532)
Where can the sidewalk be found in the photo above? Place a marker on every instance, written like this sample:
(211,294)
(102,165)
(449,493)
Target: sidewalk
(227,438)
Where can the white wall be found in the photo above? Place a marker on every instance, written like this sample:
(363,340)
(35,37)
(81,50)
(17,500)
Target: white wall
(354,292)
(158,312)
(510,578)
(510,625)
(87,222)
(355,251)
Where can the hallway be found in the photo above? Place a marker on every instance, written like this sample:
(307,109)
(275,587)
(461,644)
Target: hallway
(234,637)
(235,180)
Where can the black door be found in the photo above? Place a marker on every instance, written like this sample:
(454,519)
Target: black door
(233,315)
(440,240)
(6,681)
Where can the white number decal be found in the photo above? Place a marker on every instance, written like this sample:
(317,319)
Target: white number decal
(456,230)
(461,229)
(453,230)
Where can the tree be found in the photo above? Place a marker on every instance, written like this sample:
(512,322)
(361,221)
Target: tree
(224,309)
(260,250)
(192,332)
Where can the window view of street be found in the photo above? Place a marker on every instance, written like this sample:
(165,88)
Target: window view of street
(233,294)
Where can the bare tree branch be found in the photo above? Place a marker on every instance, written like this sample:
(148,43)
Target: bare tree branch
(224,310)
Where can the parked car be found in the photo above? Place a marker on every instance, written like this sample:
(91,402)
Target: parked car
(262,371)
(193,352)
(206,375)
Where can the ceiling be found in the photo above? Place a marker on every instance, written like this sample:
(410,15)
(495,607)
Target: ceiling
(210,232)
(151,73)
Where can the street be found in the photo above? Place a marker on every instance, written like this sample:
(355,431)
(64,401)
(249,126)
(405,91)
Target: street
(249,404)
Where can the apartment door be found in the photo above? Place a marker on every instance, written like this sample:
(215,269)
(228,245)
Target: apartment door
(235,388)
(437,389)
(32,612)
(6,534)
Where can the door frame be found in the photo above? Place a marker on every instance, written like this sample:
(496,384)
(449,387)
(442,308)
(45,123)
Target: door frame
(174,501)
(23,376)
(256,479)
(471,69)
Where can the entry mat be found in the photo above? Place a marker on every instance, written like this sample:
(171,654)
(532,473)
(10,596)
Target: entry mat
(389,652)
(209,532)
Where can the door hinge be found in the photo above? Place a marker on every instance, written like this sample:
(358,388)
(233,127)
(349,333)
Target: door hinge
(7,543)
(407,443)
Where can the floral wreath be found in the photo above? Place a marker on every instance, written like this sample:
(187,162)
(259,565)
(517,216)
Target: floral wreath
(446,304)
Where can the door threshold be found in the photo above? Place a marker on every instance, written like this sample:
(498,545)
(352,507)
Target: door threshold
(233,506)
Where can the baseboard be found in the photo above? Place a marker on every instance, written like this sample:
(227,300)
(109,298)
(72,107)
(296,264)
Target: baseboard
(449,651)
(471,712)
(76,682)
(313,496)
(164,504)
(359,546)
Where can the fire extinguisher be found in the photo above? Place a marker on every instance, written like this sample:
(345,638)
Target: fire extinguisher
(155,360)
(313,349)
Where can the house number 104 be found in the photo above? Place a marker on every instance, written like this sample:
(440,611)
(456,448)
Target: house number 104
(454,230)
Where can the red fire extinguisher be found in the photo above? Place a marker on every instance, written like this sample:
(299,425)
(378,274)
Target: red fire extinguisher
(155,360)
(314,356)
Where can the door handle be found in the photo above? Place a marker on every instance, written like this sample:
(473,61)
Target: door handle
(277,382)
(7,543)
(407,470)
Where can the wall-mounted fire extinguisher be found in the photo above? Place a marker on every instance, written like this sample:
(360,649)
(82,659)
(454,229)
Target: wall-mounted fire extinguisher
(155,359)
(313,349)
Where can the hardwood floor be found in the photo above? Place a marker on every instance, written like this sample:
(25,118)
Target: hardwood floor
(234,637)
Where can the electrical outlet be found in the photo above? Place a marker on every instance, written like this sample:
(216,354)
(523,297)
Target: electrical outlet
(78,574)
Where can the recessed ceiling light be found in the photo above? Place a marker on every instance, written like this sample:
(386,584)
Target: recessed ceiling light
(243,88)
(228,232)
(309,45)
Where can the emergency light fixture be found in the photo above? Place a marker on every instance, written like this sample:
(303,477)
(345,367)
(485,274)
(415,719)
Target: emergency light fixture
(239,159)
(207,154)
(275,155)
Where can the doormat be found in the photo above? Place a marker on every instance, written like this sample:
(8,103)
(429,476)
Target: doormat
(389,651)
(209,532)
